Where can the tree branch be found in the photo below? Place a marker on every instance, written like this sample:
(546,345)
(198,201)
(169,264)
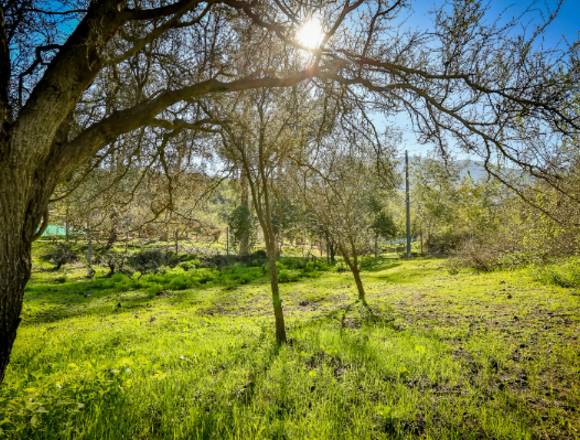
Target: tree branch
(80,149)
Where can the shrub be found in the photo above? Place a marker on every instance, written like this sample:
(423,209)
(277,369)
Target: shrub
(180,282)
(341,267)
(563,274)
(288,275)
(115,261)
(445,243)
(60,255)
(152,260)
(471,254)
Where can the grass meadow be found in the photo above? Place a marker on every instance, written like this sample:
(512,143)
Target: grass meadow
(190,353)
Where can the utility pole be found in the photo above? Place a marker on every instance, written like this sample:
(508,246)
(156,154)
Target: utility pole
(407,206)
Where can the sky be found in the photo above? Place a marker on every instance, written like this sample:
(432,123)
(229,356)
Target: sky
(564,30)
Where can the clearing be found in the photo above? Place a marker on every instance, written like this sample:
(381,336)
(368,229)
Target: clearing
(466,355)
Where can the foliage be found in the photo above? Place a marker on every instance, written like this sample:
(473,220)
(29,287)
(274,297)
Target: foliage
(482,225)
(62,253)
(384,225)
(152,260)
(564,273)
(241,223)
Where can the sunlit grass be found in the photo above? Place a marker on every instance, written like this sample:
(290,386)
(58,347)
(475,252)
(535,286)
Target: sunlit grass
(444,356)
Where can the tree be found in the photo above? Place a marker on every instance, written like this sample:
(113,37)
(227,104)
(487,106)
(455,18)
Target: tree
(480,83)
(383,224)
(341,186)
(241,227)
(247,221)
(261,135)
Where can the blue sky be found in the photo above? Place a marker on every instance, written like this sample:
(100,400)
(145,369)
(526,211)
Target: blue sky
(566,24)
(564,30)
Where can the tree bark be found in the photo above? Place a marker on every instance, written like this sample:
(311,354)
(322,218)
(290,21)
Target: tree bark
(352,263)
(244,202)
(359,285)
(259,188)
(276,301)
(176,237)
(14,274)
(23,203)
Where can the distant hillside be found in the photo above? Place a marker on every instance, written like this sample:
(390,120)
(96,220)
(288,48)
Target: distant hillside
(465,167)
(473,168)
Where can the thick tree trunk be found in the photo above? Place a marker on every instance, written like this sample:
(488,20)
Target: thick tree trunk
(19,219)
(14,274)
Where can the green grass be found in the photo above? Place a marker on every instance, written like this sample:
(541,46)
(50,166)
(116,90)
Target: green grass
(190,354)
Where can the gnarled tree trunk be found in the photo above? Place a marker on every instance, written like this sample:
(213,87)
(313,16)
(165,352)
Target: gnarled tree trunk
(22,206)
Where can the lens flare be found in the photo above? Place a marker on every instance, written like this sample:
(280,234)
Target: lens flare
(310,34)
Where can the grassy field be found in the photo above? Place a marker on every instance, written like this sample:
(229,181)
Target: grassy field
(190,354)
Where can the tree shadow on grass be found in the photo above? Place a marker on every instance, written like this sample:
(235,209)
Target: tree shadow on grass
(376,264)
(59,300)
(353,315)
(408,276)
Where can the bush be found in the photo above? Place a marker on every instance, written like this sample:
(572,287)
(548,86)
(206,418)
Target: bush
(471,254)
(445,244)
(288,275)
(60,255)
(180,282)
(341,267)
(563,274)
(115,261)
(152,260)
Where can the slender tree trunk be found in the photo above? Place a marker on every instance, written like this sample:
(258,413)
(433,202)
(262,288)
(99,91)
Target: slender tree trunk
(90,270)
(276,301)
(359,285)
(264,214)
(66,224)
(244,202)
(352,262)
(331,250)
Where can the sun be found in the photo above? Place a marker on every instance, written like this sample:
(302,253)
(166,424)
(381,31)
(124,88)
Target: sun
(310,34)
